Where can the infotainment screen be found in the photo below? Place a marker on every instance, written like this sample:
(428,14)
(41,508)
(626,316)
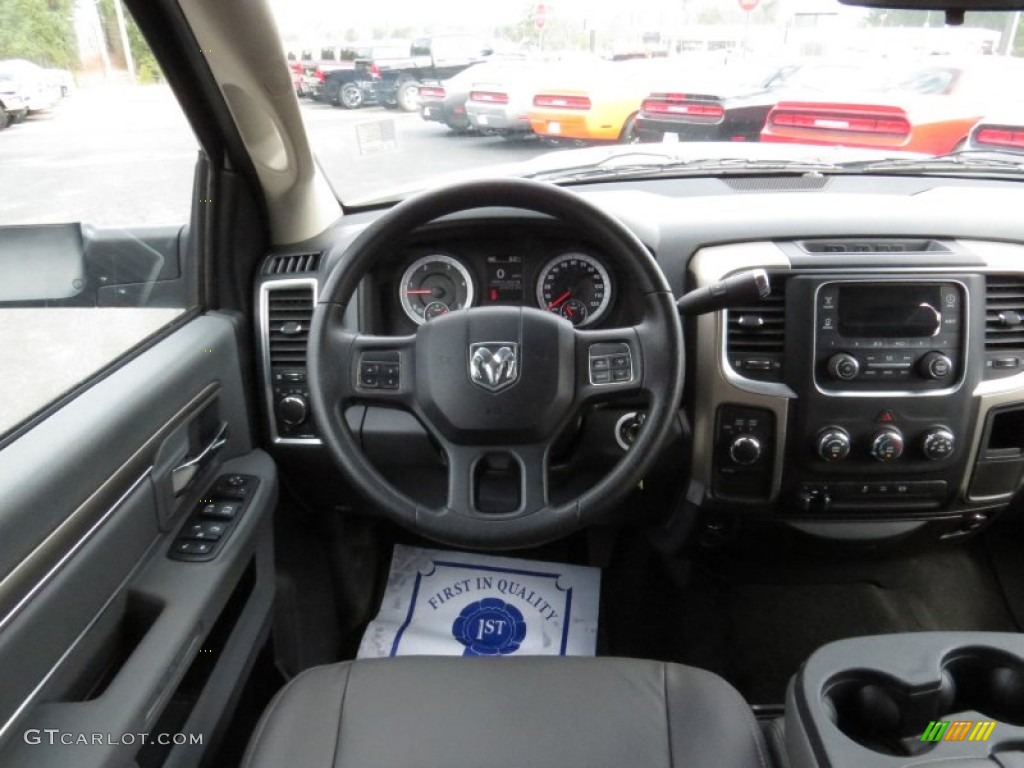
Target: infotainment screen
(896,311)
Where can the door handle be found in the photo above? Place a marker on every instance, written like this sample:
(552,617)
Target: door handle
(183,474)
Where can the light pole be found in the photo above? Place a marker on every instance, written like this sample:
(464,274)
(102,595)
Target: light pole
(122,29)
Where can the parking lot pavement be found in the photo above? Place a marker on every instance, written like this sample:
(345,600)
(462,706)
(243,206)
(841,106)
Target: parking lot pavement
(123,156)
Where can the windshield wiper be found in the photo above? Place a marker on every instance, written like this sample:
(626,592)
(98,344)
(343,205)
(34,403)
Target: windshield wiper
(667,165)
(965,160)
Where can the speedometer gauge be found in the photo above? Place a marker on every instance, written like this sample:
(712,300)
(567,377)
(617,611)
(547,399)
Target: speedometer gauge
(433,286)
(575,286)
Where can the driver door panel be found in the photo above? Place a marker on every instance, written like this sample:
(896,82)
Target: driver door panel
(100,631)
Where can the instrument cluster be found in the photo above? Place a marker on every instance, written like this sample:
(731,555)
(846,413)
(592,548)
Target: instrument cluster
(573,283)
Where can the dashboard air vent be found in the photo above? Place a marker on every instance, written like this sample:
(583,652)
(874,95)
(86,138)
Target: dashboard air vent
(756,335)
(293,263)
(777,183)
(873,246)
(1004,315)
(289,313)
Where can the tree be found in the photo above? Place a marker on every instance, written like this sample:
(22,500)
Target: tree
(41,31)
(146,68)
(997,21)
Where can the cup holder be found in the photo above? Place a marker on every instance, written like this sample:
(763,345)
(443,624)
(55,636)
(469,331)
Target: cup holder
(889,716)
(989,682)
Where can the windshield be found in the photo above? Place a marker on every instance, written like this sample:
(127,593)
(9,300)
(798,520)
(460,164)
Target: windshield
(509,88)
(512,88)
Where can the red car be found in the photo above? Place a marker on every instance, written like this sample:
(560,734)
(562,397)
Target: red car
(931,111)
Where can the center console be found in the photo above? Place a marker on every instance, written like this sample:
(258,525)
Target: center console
(884,385)
(902,700)
(883,380)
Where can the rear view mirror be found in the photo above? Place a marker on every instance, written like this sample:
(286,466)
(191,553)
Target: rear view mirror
(954,9)
(941,5)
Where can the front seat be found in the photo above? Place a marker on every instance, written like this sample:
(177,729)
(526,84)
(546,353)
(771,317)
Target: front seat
(527,712)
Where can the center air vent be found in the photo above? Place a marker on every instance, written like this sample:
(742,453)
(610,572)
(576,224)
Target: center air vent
(756,335)
(293,263)
(887,245)
(1004,324)
(289,313)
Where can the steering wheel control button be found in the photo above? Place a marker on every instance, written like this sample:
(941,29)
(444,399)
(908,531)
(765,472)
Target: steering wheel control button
(369,375)
(389,376)
(887,444)
(833,444)
(745,450)
(938,444)
(843,366)
(935,365)
(610,363)
(379,370)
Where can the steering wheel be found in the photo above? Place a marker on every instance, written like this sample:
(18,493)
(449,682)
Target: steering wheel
(495,380)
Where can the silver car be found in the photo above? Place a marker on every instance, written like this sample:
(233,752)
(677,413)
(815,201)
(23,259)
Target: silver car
(13,104)
(501,105)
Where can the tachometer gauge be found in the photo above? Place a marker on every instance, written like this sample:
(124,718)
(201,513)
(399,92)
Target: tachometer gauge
(575,286)
(433,286)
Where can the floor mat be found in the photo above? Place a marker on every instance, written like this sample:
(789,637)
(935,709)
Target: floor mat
(463,604)
(754,616)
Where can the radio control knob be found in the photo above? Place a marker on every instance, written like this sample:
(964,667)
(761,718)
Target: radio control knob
(293,410)
(745,450)
(938,443)
(833,444)
(843,366)
(887,444)
(935,365)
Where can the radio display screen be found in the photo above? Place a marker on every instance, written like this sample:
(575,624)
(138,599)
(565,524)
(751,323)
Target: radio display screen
(889,311)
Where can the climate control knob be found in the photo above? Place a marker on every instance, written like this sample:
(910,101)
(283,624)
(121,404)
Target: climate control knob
(833,444)
(935,365)
(938,444)
(887,444)
(843,366)
(745,450)
(293,410)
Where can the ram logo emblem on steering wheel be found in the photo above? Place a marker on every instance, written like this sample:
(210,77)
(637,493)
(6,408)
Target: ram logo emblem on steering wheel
(493,364)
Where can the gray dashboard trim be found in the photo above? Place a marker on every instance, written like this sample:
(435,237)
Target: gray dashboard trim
(31,698)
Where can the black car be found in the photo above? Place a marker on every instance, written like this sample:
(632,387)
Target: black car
(431,59)
(734,107)
(353,83)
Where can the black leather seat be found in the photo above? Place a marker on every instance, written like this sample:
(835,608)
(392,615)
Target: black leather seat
(435,712)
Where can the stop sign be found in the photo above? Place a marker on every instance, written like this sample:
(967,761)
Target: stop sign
(540,15)
(748,5)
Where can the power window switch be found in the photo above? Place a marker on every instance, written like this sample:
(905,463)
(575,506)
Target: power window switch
(192,547)
(223,510)
(208,530)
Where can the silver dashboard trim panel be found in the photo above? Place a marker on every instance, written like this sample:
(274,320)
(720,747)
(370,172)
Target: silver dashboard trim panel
(264,332)
(718,383)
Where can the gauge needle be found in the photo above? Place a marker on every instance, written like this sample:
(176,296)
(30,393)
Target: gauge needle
(420,292)
(559,300)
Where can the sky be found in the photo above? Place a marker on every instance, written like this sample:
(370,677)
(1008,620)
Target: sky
(304,18)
